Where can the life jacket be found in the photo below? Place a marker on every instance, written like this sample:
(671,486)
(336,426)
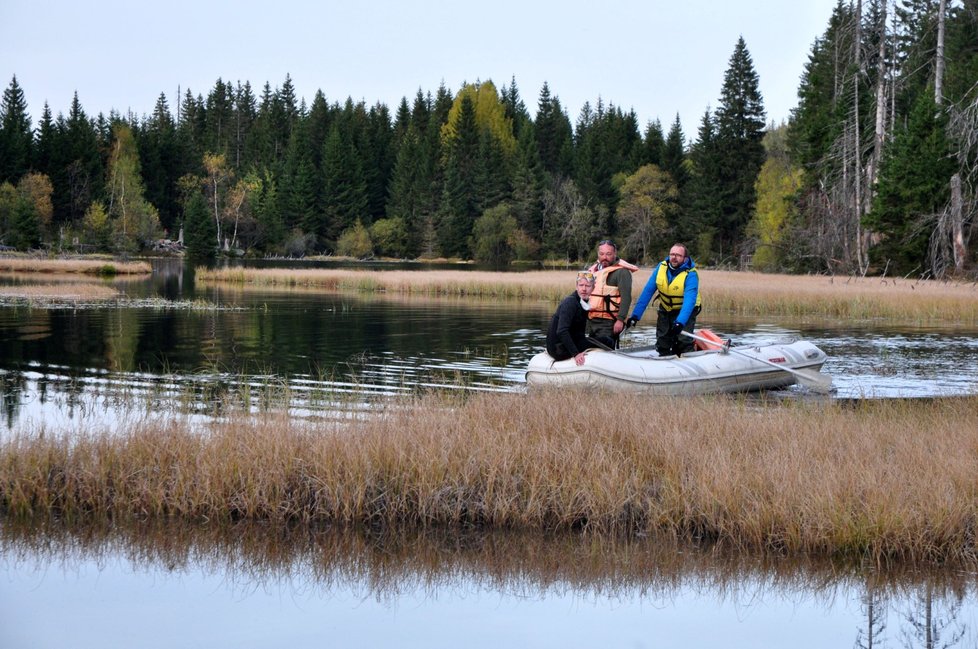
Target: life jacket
(606,299)
(671,293)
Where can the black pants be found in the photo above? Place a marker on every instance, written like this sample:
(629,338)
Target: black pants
(603,330)
(666,342)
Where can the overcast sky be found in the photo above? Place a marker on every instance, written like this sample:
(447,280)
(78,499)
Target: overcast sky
(655,57)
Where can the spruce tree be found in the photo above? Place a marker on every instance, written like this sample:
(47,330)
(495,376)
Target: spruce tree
(740,121)
(16,136)
(913,189)
(460,200)
(200,232)
(655,143)
(554,135)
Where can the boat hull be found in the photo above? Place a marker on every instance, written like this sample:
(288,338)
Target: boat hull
(701,372)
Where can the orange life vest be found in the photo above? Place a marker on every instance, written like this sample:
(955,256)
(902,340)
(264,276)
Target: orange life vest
(606,299)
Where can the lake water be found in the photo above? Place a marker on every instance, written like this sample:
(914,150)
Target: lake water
(178,341)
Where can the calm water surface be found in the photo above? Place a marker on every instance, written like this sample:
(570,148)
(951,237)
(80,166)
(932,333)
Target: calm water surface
(178,341)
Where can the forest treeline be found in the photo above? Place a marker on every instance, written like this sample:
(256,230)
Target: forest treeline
(875,172)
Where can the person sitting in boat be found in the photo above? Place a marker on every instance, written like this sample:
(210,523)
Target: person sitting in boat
(565,336)
(612,295)
(677,284)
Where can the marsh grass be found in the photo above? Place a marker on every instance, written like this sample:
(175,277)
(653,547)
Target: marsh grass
(70,291)
(880,481)
(727,292)
(99,267)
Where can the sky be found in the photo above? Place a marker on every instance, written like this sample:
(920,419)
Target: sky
(660,59)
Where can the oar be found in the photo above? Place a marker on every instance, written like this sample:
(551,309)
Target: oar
(815,381)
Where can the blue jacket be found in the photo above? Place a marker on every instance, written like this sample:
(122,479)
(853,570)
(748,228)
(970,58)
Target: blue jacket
(691,290)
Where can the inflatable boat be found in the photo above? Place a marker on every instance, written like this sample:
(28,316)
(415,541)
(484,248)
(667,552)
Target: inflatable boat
(716,366)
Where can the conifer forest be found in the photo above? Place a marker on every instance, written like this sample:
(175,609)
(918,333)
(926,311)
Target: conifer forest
(875,172)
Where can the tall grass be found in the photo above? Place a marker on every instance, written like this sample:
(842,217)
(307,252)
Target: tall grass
(883,481)
(102,267)
(848,298)
(69,290)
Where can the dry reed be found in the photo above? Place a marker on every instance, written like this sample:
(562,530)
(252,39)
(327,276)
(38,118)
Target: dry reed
(727,292)
(70,291)
(884,481)
(74,266)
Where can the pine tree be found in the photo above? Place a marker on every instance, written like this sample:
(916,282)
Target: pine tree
(16,136)
(83,169)
(655,143)
(702,202)
(554,135)
(913,189)
(160,163)
(200,232)
(740,121)
(344,195)
(674,155)
(460,200)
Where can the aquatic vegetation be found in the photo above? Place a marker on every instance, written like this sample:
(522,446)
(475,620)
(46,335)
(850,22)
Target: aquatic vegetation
(881,481)
(90,266)
(816,296)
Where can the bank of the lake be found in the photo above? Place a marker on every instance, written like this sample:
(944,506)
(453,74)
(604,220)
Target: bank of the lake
(884,481)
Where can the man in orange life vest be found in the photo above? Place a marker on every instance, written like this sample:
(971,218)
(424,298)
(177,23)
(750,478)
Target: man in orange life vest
(612,295)
(678,285)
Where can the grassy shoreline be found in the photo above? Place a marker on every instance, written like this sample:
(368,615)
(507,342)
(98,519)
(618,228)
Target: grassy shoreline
(888,481)
(100,267)
(737,293)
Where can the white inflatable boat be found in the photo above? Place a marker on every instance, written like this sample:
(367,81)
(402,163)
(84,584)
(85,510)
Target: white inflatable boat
(719,368)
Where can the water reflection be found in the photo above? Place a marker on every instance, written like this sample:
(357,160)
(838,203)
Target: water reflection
(172,340)
(418,588)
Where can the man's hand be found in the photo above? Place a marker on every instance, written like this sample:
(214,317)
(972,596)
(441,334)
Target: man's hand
(618,327)
(677,329)
(579,359)
(631,322)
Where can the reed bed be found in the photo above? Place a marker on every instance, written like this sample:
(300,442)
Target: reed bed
(728,292)
(102,267)
(69,291)
(885,481)
(548,285)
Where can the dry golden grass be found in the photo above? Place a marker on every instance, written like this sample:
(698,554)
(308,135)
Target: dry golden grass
(84,266)
(726,292)
(883,481)
(534,284)
(68,291)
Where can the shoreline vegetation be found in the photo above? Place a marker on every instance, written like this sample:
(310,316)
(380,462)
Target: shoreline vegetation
(732,292)
(884,482)
(90,266)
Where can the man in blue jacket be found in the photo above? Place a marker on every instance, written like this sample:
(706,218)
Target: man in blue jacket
(677,284)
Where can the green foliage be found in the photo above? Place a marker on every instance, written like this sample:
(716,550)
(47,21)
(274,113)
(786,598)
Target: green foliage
(913,189)
(200,231)
(96,229)
(493,235)
(489,115)
(777,185)
(16,135)
(390,238)
(355,242)
(135,221)
(737,149)
(649,197)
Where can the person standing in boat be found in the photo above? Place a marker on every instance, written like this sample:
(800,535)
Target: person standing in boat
(612,295)
(565,336)
(677,284)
